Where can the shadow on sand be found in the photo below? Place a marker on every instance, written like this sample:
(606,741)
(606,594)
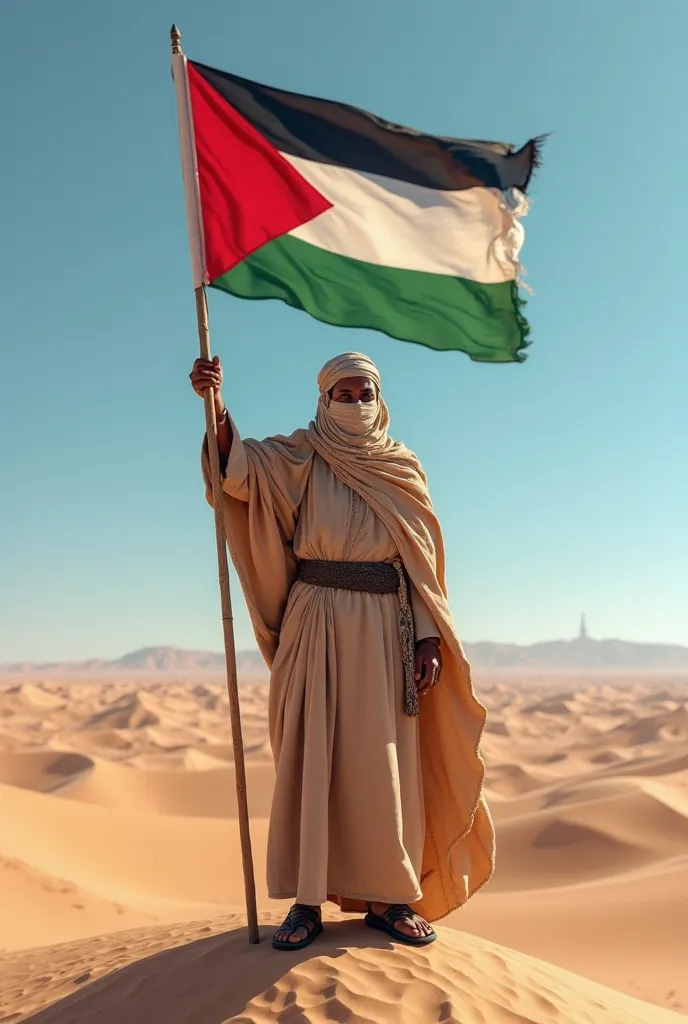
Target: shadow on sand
(207,981)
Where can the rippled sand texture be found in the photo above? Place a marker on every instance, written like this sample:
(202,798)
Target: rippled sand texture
(119,841)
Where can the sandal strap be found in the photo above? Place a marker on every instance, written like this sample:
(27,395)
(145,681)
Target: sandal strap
(301,916)
(398,912)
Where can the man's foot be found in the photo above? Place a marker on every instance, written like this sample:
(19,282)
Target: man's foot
(400,919)
(301,926)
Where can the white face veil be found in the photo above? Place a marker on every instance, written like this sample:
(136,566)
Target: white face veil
(342,424)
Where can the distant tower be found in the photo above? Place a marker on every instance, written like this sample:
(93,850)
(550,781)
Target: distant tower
(583,635)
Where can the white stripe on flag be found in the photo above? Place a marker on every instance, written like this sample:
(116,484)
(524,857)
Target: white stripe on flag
(395,224)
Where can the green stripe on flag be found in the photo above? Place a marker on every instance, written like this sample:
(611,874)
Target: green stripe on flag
(442,312)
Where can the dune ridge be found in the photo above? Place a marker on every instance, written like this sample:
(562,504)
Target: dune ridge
(207,973)
(119,812)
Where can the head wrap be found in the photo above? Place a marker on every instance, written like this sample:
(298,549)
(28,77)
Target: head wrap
(350,364)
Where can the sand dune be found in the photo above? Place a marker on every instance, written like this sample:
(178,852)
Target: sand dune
(197,975)
(43,771)
(628,931)
(122,719)
(590,831)
(151,862)
(512,780)
(208,793)
(65,911)
(118,810)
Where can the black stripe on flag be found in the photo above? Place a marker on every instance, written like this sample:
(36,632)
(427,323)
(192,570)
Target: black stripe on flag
(336,133)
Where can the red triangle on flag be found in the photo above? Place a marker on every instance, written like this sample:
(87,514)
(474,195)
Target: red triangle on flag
(250,194)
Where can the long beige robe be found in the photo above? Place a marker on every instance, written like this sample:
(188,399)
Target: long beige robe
(369,803)
(347,813)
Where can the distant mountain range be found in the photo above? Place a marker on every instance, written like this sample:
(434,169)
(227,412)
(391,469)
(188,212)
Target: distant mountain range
(561,655)
(581,653)
(154,660)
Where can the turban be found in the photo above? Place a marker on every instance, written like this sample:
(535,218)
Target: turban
(348,364)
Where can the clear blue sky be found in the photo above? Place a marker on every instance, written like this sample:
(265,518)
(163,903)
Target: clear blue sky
(562,484)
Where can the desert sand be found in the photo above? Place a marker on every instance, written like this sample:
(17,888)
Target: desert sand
(120,868)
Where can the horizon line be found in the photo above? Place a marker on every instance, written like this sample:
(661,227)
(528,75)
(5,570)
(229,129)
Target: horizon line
(255,650)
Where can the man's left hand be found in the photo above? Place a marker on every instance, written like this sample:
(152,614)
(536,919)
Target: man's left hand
(428,665)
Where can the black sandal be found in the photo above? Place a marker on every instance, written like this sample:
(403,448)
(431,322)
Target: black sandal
(385,923)
(300,916)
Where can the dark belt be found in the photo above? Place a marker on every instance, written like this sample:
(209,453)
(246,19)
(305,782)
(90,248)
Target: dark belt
(368,577)
(373,578)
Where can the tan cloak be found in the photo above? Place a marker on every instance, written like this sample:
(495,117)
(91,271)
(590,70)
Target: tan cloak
(458,852)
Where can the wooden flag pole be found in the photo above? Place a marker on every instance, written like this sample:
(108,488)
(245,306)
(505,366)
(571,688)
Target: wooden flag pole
(195,236)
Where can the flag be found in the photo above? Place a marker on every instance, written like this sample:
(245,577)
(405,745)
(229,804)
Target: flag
(357,221)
